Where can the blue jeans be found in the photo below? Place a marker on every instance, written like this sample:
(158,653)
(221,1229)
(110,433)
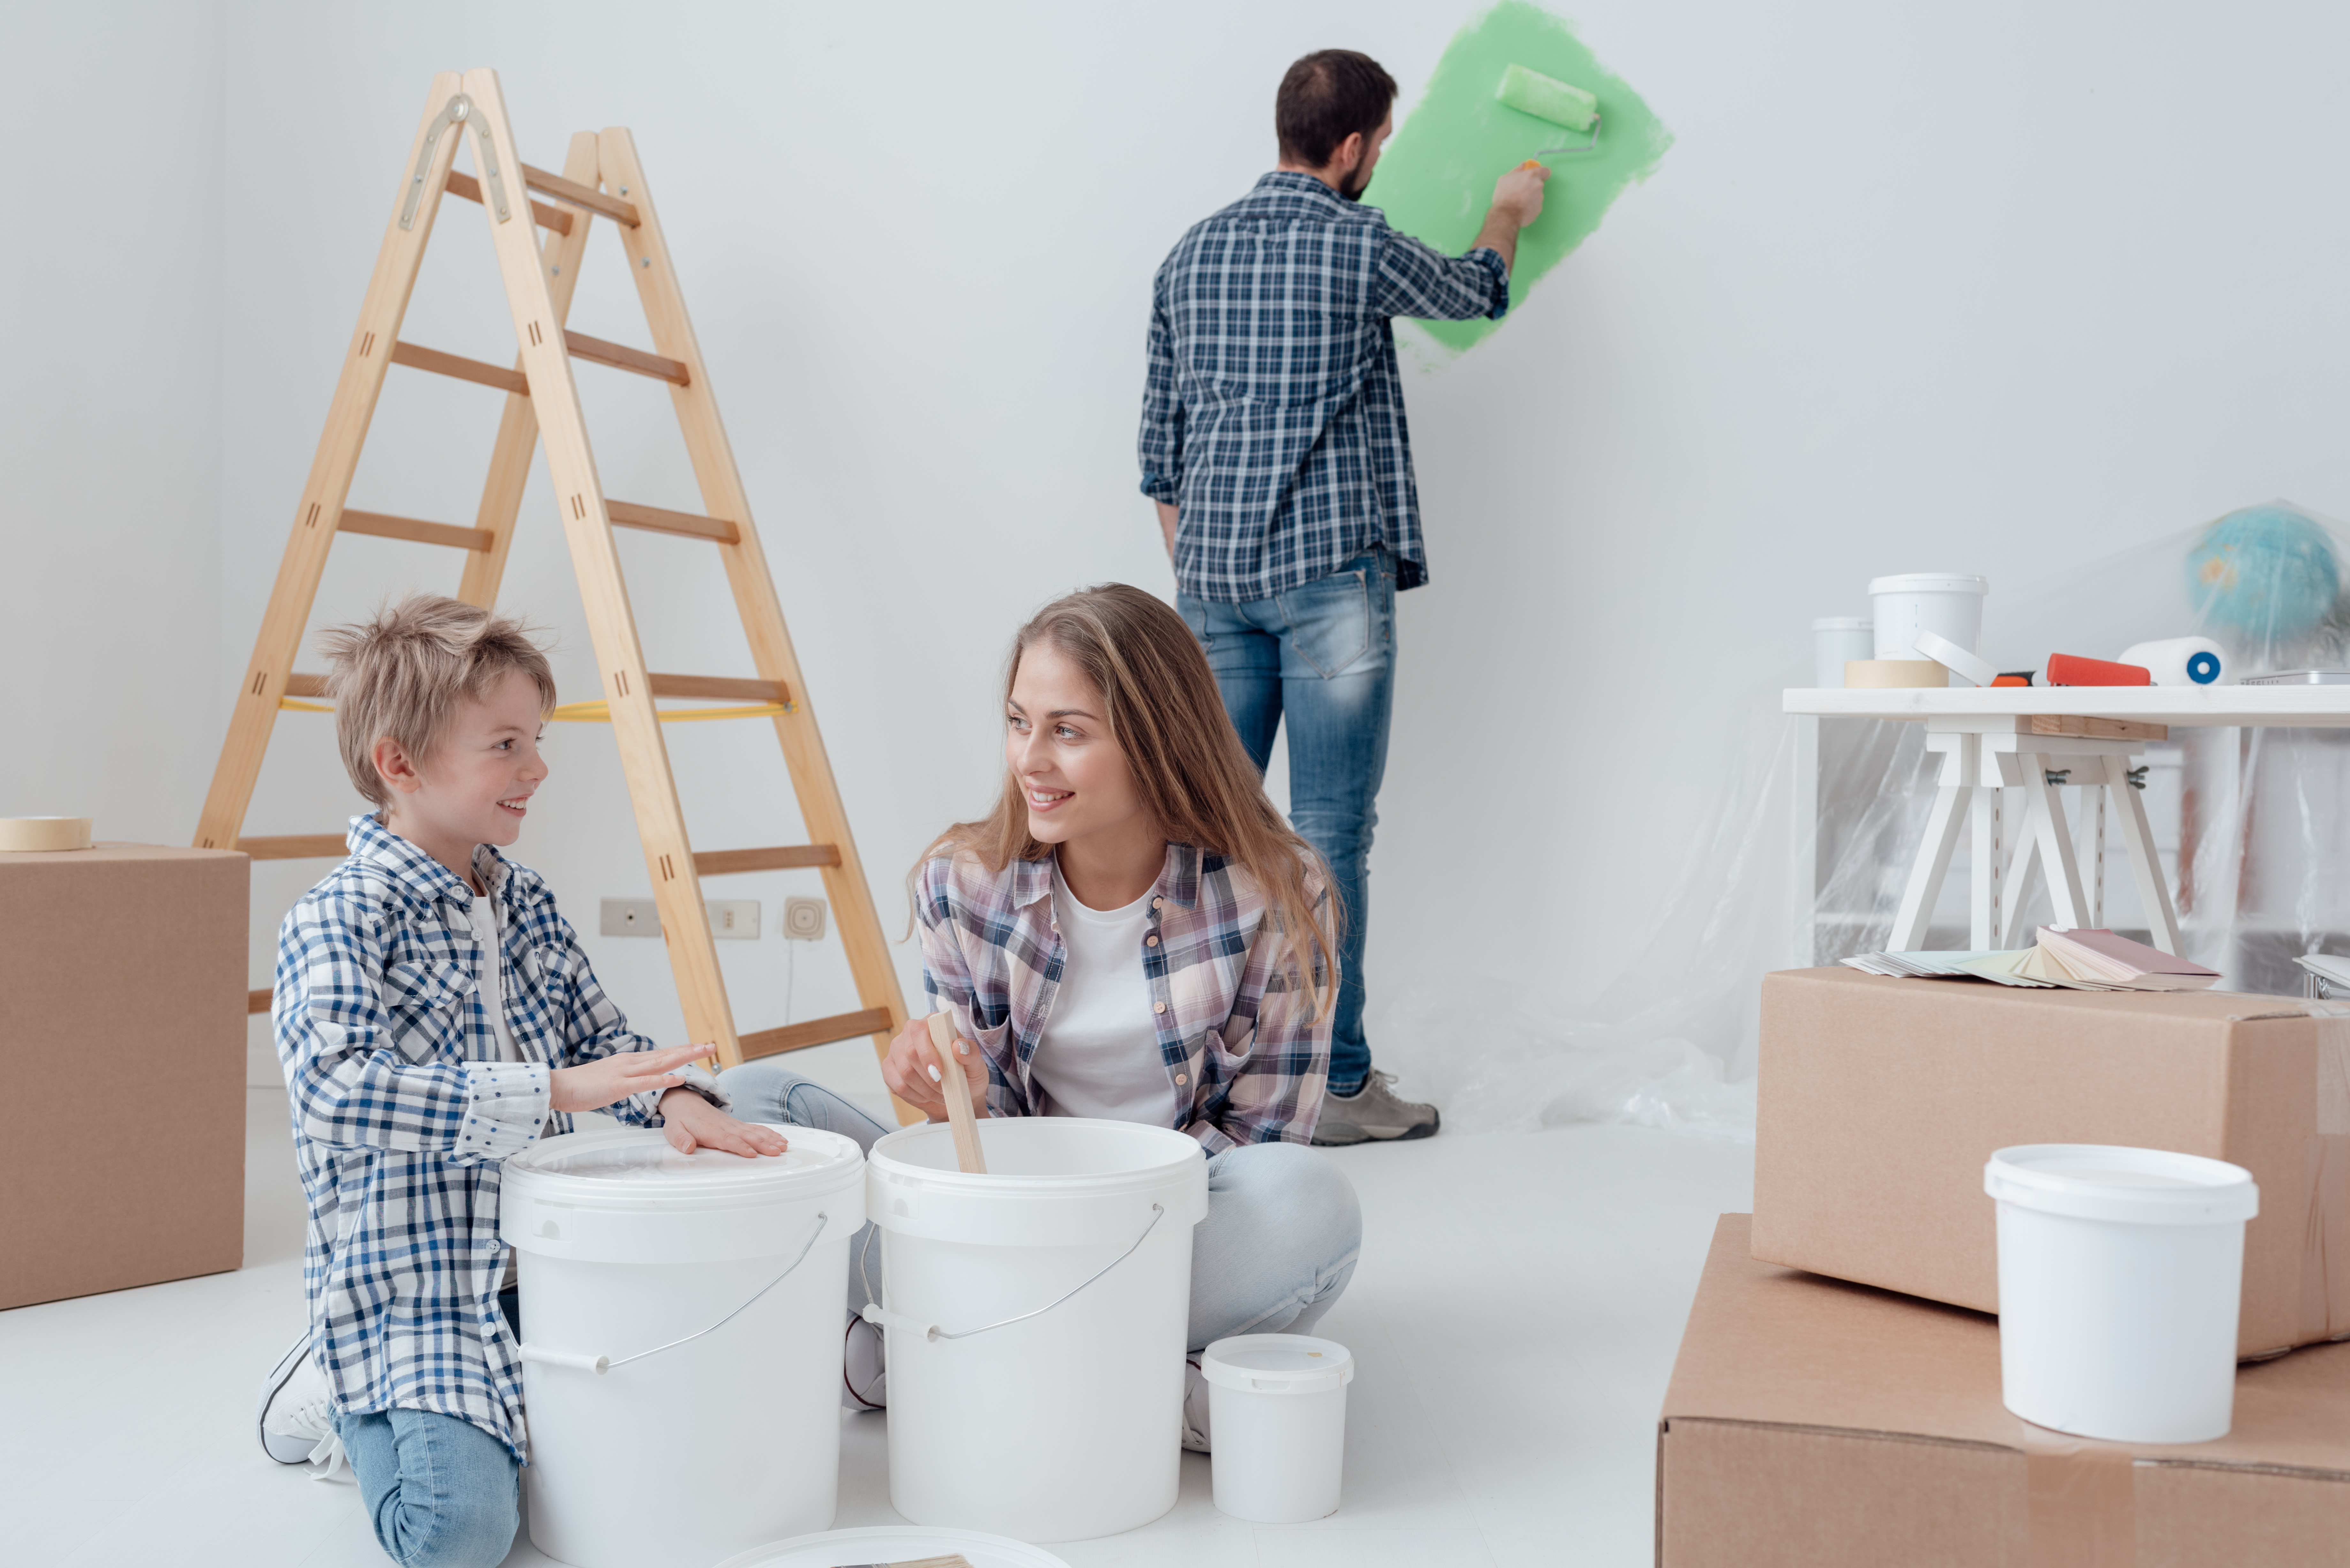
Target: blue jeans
(1324,656)
(440,1492)
(1274,1253)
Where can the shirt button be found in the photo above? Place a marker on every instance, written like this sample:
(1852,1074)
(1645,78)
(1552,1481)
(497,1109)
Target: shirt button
(1151,940)
(1157,1007)
(1182,1077)
(1158,903)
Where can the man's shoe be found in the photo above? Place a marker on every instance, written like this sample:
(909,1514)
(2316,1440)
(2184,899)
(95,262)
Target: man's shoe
(1373,1115)
(296,1415)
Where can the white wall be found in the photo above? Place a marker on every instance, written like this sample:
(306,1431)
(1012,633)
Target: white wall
(109,416)
(2001,289)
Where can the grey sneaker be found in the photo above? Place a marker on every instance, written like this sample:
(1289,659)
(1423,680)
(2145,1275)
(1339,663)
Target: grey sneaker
(1373,1113)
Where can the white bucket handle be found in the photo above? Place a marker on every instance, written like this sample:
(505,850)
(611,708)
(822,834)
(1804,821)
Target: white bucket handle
(881,1317)
(599,1365)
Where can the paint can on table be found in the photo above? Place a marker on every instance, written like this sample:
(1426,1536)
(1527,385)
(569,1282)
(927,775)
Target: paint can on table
(1948,604)
(1837,640)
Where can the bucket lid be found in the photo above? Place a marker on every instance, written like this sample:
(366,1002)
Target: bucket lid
(1843,623)
(2137,1186)
(893,1543)
(634,1168)
(1930,583)
(1277,1364)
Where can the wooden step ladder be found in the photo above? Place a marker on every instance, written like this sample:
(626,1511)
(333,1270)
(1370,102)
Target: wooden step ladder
(600,178)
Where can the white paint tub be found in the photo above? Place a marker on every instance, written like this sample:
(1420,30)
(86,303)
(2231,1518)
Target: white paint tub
(1948,604)
(1277,1424)
(1037,1319)
(2119,1274)
(1837,640)
(672,1453)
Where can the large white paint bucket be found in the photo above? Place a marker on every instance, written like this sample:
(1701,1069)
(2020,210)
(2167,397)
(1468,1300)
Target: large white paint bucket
(1948,604)
(682,1342)
(2119,1272)
(1277,1424)
(1036,1318)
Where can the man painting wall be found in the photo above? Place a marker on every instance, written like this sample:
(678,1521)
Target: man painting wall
(1274,443)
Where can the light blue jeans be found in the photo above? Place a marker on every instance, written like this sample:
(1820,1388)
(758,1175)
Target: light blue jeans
(1323,657)
(1274,1253)
(440,1492)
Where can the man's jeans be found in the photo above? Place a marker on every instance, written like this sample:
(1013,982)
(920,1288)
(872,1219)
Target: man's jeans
(1323,655)
(1283,1231)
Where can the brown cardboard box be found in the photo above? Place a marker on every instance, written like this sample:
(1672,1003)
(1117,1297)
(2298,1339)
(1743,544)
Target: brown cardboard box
(1880,1100)
(122,990)
(1816,1424)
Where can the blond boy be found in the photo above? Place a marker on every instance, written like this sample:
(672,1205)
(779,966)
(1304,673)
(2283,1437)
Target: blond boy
(435,1015)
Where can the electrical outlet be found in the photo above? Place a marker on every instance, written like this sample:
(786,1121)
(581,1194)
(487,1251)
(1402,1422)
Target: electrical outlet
(733,917)
(803,919)
(631,918)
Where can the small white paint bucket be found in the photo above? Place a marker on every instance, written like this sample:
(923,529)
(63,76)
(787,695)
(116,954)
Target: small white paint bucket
(2119,1274)
(1946,604)
(1037,1319)
(1277,1424)
(1837,640)
(682,1342)
(879,1544)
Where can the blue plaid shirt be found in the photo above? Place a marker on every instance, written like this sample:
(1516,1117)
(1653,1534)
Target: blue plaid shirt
(1273,416)
(403,1109)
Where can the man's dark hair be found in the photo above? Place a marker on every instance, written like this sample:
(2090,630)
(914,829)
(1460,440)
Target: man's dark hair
(1326,96)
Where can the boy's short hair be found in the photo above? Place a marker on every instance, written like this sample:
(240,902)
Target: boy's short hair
(1325,97)
(402,674)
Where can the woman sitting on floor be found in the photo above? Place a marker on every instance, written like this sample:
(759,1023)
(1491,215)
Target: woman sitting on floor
(1086,938)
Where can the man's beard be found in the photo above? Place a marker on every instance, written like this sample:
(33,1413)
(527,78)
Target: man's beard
(1353,186)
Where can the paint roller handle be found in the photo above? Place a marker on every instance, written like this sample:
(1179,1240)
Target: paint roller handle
(1517,202)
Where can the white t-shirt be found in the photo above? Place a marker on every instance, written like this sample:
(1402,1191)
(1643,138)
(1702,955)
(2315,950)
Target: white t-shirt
(491,984)
(1098,1055)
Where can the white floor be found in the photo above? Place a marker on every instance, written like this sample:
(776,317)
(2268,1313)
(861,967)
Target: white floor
(1514,1318)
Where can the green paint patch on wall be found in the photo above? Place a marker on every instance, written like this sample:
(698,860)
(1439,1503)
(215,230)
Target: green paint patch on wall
(1436,178)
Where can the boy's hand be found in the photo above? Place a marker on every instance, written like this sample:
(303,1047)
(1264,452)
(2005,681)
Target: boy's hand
(692,1122)
(912,1066)
(616,1077)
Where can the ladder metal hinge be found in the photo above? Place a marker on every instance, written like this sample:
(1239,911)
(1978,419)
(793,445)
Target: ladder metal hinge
(453,114)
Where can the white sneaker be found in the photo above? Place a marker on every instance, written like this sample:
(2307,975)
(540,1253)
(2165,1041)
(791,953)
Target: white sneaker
(864,1368)
(1195,1409)
(296,1415)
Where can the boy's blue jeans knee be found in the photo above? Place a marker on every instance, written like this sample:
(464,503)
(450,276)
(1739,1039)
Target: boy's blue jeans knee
(440,1492)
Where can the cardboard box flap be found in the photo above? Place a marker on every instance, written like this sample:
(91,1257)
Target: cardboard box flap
(2216,1005)
(1777,1346)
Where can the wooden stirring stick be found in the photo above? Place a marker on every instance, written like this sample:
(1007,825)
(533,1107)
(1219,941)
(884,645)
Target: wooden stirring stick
(957,1089)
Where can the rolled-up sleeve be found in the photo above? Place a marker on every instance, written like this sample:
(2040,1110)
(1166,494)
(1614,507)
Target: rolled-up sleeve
(1416,280)
(1160,444)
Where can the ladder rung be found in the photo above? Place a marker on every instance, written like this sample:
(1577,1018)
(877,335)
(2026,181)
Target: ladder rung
(628,515)
(620,357)
(300,685)
(257,1002)
(385,527)
(464,370)
(782,857)
(727,686)
(463,184)
(816,1032)
(581,195)
(297,846)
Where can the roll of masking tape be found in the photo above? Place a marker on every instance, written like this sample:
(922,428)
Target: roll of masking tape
(2180,660)
(25,834)
(1886,672)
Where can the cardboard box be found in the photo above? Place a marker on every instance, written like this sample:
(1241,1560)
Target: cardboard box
(1816,1424)
(1880,1099)
(123,994)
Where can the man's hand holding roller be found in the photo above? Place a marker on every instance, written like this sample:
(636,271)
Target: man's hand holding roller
(912,1067)
(1517,202)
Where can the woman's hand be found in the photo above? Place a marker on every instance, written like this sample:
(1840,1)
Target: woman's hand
(616,1077)
(690,1122)
(911,1070)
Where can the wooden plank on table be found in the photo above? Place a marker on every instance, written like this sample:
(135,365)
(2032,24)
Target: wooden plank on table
(2088,729)
(463,184)
(383,525)
(781,858)
(656,520)
(580,194)
(620,357)
(418,358)
(816,1032)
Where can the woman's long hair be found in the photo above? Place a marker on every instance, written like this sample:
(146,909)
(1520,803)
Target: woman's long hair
(1166,717)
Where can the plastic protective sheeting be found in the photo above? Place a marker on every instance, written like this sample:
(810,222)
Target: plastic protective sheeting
(1804,858)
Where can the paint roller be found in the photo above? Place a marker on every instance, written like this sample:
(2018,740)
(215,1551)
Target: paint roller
(2180,660)
(1562,104)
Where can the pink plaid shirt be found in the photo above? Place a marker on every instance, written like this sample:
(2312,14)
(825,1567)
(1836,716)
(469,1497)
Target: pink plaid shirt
(1247,1064)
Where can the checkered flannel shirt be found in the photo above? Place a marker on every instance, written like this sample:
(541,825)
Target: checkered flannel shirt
(1245,1067)
(402,1111)
(1273,415)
